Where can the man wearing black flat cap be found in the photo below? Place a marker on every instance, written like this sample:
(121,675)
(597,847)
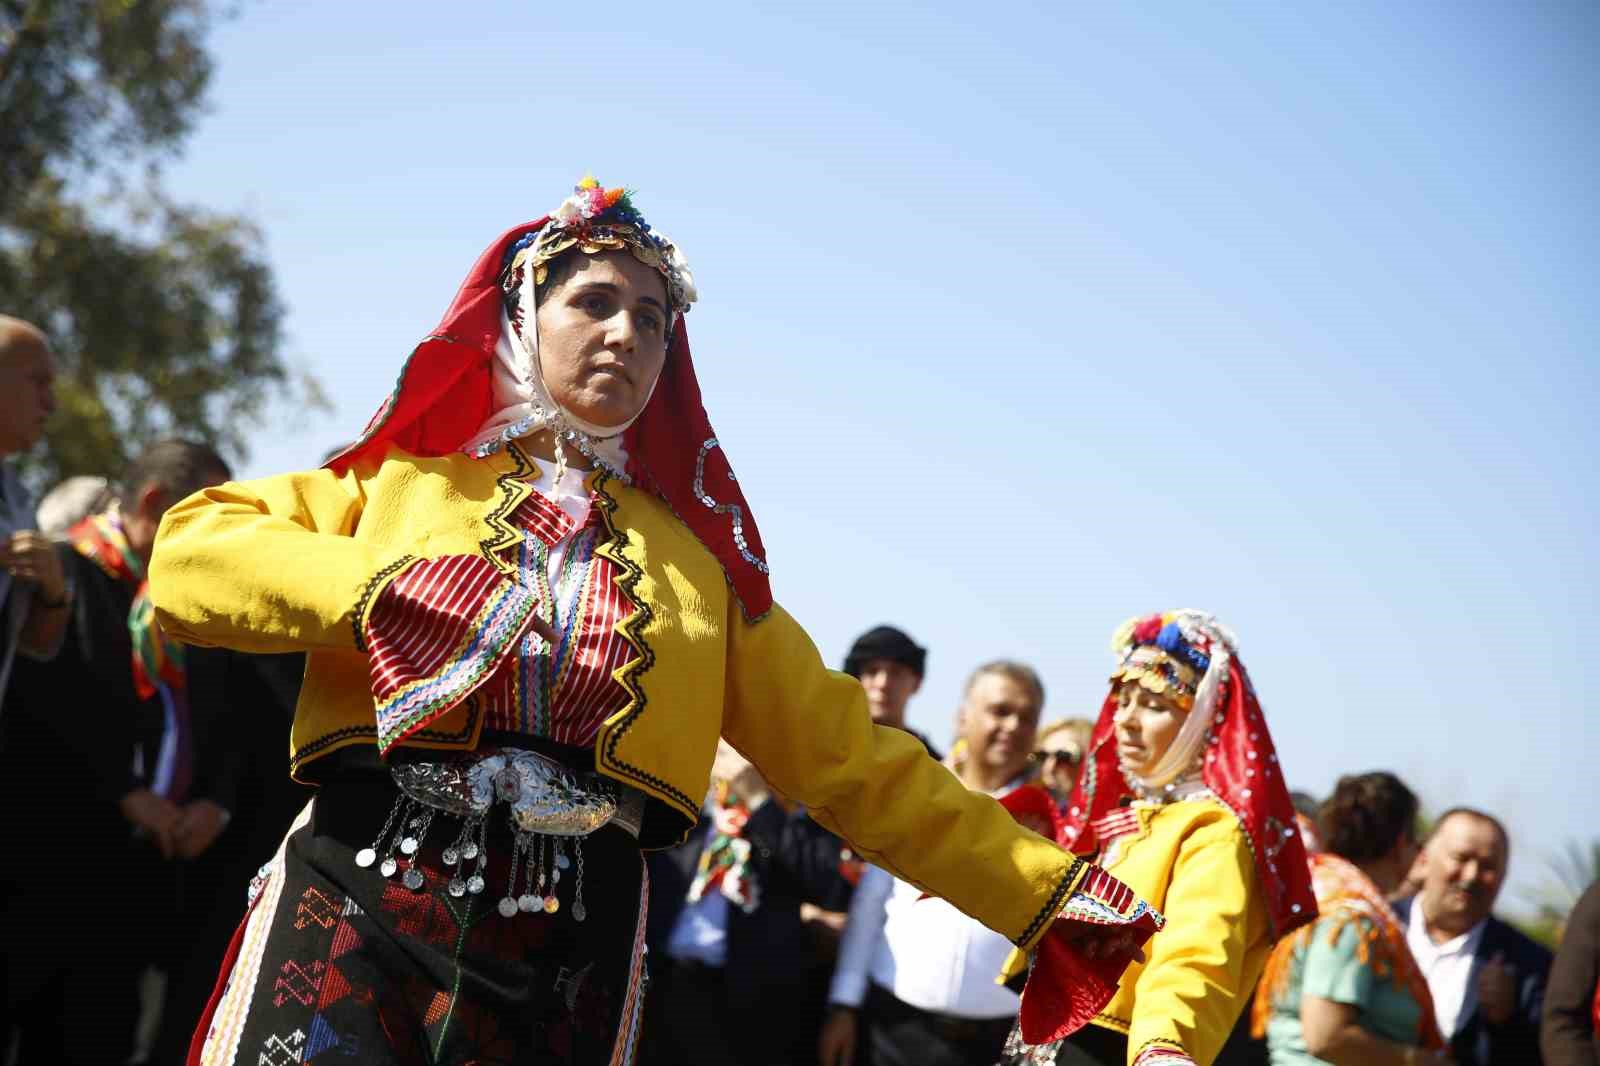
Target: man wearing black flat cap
(890,666)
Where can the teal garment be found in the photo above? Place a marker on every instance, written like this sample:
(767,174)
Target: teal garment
(1333,971)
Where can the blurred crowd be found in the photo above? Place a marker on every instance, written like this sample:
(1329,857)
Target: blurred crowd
(148,781)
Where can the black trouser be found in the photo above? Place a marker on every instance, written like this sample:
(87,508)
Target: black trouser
(687,1019)
(899,1034)
(74,944)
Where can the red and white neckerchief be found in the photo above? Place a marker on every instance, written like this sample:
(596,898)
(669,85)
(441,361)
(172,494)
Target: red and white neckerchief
(562,692)
(453,628)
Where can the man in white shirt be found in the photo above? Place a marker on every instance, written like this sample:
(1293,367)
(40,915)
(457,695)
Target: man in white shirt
(915,982)
(1485,978)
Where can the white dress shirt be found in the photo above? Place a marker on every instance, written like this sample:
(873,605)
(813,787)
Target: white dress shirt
(926,952)
(1451,969)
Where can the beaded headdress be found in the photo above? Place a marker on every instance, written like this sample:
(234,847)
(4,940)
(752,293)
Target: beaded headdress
(595,220)
(1160,656)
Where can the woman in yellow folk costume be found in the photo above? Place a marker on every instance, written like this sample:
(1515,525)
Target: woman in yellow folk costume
(533,597)
(1182,799)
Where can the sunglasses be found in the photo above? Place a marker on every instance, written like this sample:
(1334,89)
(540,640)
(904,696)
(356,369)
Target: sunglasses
(1067,755)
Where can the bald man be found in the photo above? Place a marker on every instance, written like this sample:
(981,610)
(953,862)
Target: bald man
(1486,979)
(34,596)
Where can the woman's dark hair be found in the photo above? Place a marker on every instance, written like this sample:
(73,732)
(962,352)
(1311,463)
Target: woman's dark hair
(559,269)
(1366,814)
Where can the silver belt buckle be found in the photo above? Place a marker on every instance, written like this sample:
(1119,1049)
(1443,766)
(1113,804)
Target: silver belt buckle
(543,796)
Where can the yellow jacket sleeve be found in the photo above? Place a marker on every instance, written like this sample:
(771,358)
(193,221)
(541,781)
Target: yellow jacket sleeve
(1204,963)
(807,729)
(269,565)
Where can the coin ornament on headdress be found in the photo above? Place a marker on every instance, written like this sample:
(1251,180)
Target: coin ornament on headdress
(1171,654)
(593,220)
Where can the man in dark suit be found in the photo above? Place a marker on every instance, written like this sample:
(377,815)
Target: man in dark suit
(99,749)
(729,954)
(1487,980)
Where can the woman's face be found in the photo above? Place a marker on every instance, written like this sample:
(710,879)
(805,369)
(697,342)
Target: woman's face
(1059,760)
(603,337)
(1146,726)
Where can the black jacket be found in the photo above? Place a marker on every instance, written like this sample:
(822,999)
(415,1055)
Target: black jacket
(1569,1037)
(72,725)
(795,861)
(1476,1042)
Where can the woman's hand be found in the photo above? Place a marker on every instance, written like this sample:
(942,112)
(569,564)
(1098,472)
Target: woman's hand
(837,1044)
(1101,942)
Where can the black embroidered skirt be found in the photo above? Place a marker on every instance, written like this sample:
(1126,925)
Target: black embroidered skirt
(334,963)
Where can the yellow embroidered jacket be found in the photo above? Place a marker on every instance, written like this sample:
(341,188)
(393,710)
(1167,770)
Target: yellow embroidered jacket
(1191,861)
(295,563)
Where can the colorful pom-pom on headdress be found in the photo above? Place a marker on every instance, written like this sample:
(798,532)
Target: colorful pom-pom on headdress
(1169,654)
(593,220)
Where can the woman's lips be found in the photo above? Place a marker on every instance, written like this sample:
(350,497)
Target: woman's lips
(613,370)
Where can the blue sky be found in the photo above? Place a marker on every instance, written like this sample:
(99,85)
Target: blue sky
(1017,321)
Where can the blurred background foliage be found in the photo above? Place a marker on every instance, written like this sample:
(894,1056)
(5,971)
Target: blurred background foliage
(164,317)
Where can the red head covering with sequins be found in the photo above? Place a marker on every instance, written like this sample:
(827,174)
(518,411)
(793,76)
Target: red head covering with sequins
(445,392)
(1240,767)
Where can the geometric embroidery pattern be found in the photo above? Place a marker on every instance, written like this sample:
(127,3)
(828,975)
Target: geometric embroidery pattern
(316,907)
(377,972)
(281,1051)
(295,980)
(324,1038)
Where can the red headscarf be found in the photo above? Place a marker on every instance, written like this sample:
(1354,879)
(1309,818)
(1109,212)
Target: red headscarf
(1240,766)
(445,392)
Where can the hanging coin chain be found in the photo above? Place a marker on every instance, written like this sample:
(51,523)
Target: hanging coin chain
(407,827)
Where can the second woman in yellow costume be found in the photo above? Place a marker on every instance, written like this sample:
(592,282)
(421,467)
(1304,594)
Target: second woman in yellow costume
(1182,799)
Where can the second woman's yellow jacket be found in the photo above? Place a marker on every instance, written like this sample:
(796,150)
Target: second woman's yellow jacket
(1190,860)
(295,562)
